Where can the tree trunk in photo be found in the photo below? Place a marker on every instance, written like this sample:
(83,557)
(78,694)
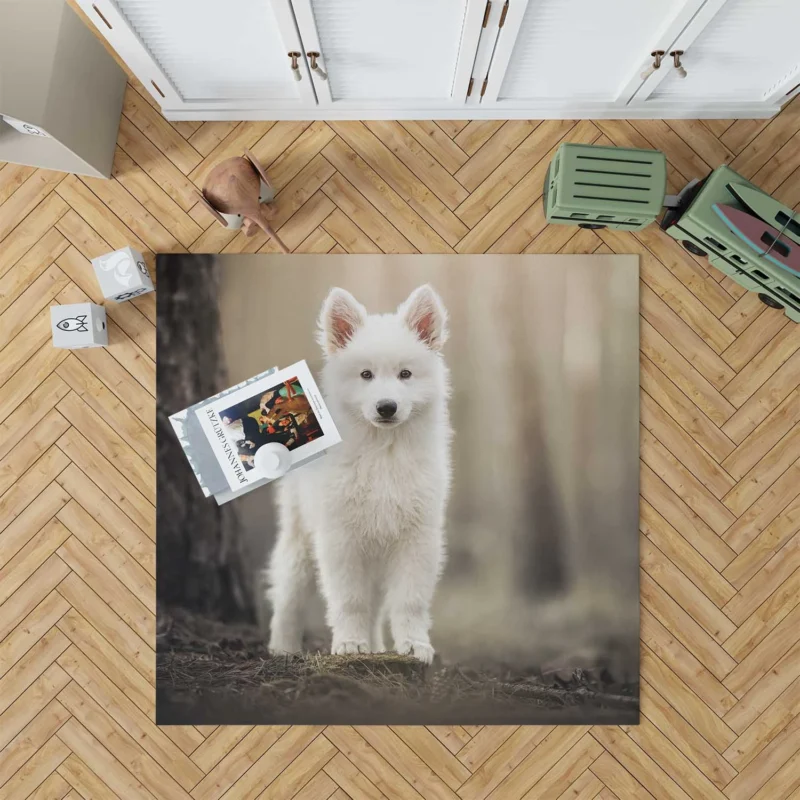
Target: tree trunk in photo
(199,566)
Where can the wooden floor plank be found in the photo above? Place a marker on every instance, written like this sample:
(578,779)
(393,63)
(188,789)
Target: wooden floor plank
(476,133)
(209,135)
(764,437)
(38,294)
(30,267)
(675,295)
(12,176)
(682,410)
(30,230)
(768,725)
(152,197)
(25,199)
(375,227)
(761,403)
(756,610)
(101,400)
(30,484)
(502,763)
(402,180)
(491,154)
(120,744)
(155,164)
(290,160)
(114,628)
(683,446)
(236,763)
(677,585)
(34,710)
(643,768)
(452,127)
(91,580)
(426,168)
(766,509)
(90,431)
(684,737)
(766,690)
(509,172)
(147,119)
(91,757)
(390,204)
(109,479)
(108,515)
(120,707)
(437,143)
(37,768)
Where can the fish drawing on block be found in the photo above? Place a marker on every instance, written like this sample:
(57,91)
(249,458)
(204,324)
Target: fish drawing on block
(77,324)
(763,238)
(768,209)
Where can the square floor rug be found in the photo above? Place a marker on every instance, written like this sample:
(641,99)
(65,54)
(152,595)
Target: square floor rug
(427,514)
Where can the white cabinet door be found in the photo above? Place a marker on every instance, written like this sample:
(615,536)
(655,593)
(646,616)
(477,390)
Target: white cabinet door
(208,54)
(387,54)
(578,53)
(733,51)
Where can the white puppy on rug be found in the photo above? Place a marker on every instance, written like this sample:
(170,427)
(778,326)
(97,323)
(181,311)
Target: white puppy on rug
(369,515)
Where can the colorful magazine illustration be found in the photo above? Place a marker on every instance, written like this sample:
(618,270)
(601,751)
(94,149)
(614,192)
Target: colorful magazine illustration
(222,434)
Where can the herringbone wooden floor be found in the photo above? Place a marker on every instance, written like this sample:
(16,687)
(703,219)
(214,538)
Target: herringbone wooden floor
(720,470)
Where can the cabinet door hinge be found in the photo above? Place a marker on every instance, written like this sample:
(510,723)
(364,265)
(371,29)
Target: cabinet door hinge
(483,88)
(486,13)
(503,15)
(469,88)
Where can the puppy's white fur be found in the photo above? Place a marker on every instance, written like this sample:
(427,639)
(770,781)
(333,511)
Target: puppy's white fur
(368,517)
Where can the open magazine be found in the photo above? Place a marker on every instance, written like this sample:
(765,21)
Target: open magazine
(222,434)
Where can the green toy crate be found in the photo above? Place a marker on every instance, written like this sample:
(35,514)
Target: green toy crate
(702,232)
(605,187)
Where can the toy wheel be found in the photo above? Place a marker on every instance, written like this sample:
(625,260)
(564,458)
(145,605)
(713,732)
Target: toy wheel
(769,301)
(592,226)
(693,248)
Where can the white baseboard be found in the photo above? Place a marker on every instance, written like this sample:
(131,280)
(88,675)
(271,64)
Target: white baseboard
(649,111)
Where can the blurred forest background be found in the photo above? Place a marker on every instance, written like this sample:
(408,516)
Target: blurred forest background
(542,523)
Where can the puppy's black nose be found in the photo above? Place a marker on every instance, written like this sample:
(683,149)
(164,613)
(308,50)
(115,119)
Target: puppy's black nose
(386,408)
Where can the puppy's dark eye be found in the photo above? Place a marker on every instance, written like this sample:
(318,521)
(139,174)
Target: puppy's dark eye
(405,374)
(366,375)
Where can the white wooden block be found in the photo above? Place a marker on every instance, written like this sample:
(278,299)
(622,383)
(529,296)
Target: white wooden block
(122,274)
(78,325)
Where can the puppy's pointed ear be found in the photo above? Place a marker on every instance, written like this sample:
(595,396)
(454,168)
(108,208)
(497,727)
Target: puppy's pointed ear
(341,316)
(426,315)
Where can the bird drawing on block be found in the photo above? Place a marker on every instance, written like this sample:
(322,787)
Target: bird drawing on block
(233,187)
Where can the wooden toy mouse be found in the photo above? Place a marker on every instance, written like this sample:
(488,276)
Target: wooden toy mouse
(233,194)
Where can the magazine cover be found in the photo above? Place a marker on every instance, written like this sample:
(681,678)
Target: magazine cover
(284,407)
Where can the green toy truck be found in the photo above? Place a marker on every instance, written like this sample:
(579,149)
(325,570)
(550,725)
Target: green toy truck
(613,187)
(702,232)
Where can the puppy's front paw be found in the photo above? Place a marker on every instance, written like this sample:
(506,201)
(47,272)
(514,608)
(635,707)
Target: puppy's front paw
(421,650)
(350,646)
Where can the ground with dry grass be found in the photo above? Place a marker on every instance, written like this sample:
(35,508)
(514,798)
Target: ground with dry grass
(209,673)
